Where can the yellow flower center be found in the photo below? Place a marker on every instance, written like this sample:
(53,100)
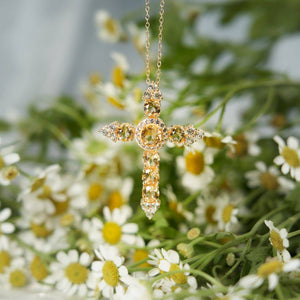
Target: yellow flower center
(112,232)
(95,191)
(139,255)
(67,220)
(38,269)
(94,78)
(214,142)
(270,267)
(115,102)
(46,192)
(179,278)
(118,77)
(5,260)
(1,162)
(110,26)
(227,212)
(38,183)
(209,214)
(194,162)
(60,207)
(10,173)
(276,240)
(291,157)
(110,273)
(241,146)
(115,200)
(76,273)
(269,181)
(40,230)
(17,279)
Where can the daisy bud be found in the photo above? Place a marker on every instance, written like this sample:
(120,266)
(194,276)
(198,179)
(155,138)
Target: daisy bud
(193,233)
(230,259)
(185,249)
(83,245)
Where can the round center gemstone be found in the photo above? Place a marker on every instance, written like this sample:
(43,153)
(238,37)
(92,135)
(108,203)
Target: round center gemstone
(151,134)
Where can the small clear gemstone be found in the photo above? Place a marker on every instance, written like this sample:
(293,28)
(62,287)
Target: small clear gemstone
(150,206)
(177,134)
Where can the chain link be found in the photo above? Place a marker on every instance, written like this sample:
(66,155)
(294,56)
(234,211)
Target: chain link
(147,46)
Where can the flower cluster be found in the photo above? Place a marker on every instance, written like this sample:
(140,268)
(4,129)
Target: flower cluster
(70,218)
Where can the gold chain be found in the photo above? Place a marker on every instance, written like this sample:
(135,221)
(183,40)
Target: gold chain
(160,31)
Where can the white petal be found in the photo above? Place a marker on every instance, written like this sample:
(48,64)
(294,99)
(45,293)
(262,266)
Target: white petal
(97,266)
(7,228)
(278,160)
(192,282)
(128,239)
(286,256)
(130,228)
(154,272)
(273,281)
(63,258)
(283,233)
(123,271)
(82,291)
(164,265)
(172,257)
(84,259)
(297,174)
(269,224)
(73,255)
(285,168)
(106,213)
(251,282)
(292,142)
(279,140)
(292,265)
(5,214)
(11,158)
(261,166)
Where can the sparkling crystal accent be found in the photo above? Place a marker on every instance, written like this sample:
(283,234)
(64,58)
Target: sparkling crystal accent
(110,131)
(125,132)
(177,134)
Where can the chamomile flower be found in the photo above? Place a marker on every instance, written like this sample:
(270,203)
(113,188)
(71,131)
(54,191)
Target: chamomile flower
(227,212)
(8,171)
(109,273)
(206,212)
(71,274)
(271,270)
(194,167)
(10,252)
(216,141)
(269,178)
(246,144)
(278,239)
(168,261)
(115,229)
(289,158)
(5,226)
(109,29)
(120,191)
(177,206)
(16,275)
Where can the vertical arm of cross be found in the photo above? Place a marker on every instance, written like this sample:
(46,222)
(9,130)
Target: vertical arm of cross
(150,202)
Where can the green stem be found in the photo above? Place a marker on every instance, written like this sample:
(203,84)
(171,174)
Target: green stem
(294,233)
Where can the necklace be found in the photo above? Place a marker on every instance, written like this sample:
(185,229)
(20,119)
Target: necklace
(151,134)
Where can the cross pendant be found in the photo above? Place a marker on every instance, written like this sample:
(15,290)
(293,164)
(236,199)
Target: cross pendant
(151,134)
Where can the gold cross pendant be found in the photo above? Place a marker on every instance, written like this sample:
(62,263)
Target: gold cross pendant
(151,134)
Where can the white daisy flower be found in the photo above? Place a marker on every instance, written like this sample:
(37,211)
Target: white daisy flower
(177,206)
(246,144)
(71,274)
(10,253)
(8,171)
(6,227)
(16,275)
(206,212)
(109,273)
(109,28)
(136,290)
(278,239)
(194,167)
(115,229)
(268,178)
(120,191)
(168,261)
(216,141)
(270,270)
(227,212)
(138,36)
(289,158)
(46,194)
